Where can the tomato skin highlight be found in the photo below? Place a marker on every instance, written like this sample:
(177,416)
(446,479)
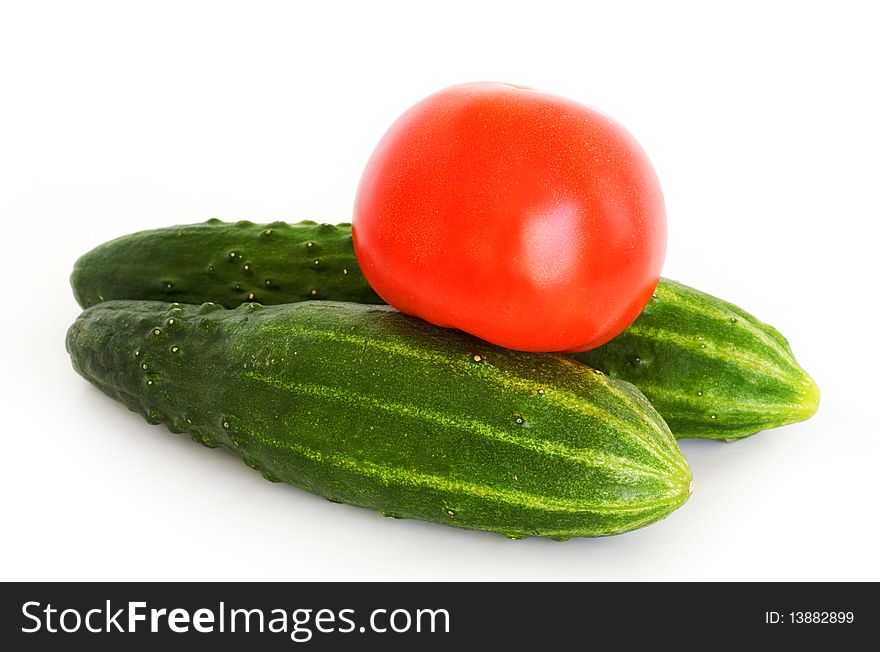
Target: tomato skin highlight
(526,219)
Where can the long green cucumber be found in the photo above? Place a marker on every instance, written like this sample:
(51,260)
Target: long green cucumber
(364,405)
(227,263)
(711,369)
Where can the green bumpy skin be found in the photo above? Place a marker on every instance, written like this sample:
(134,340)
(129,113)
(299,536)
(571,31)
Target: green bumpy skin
(227,263)
(711,369)
(365,405)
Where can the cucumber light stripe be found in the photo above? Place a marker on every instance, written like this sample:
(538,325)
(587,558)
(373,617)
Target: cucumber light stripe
(731,406)
(391,474)
(743,319)
(687,342)
(585,456)
(563,535)
(556,396)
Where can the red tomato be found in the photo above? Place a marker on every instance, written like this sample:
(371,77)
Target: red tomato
(523,218)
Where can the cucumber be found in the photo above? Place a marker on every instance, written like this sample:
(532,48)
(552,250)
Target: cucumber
(711,369)
(365,405)
(708,375)
(227,263)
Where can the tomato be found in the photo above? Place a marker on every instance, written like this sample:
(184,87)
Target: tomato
(523,218)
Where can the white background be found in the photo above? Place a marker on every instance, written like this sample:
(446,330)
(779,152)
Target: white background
(761,120)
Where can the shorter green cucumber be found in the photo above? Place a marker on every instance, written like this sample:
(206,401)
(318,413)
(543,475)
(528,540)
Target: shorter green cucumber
(364,405)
